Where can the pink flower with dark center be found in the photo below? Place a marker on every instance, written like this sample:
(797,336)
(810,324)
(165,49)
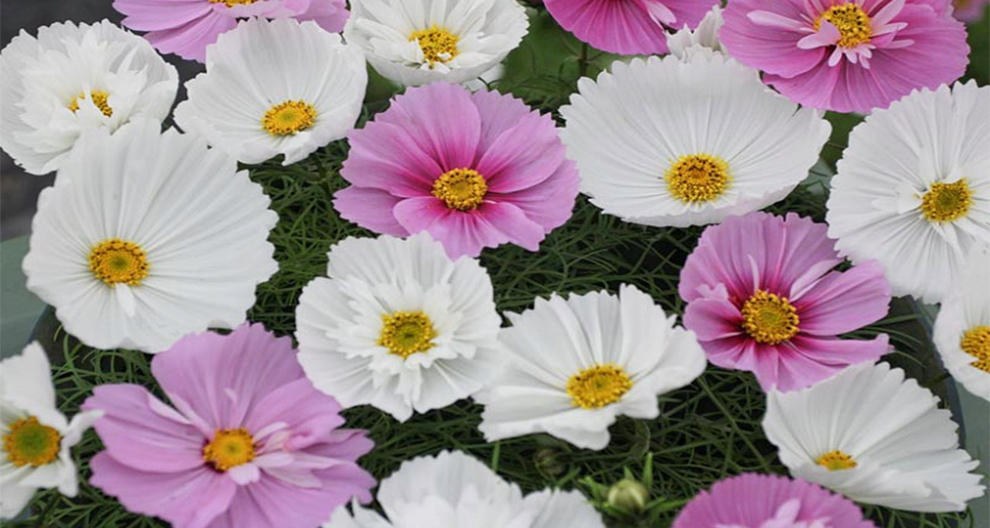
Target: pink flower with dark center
(186,27)
(763,296)
(769,501)
(247,443)
(847,55)
(474,170)
(628,27)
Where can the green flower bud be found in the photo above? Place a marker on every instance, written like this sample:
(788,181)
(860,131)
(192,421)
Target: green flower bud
(628,495)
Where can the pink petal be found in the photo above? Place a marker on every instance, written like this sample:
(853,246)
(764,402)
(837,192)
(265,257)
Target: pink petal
(550,203)
(713,319)
(523,156)
(387,157)
(150,15)
(309,414)
(190,40)
(843,302)
(769,42)
(370,209)
(331,15)
(623,27)
(498,113)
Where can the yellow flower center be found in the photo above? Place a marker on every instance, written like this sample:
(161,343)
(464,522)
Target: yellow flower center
(232,3)
(947,202)
(100,99)
(438,44)
(852,22)
(407,333)
(229,448)
(288,118)
(836,461)
(976,342)
(698,178)
(598,386)
(769,319)
(116,261)
(461,189)
(29,443)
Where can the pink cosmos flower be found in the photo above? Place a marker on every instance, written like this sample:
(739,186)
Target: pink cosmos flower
(761,297)
(474,170)
(186,27)
(627,27)
(847,55)
(248,443)
(769,501)
(970,10)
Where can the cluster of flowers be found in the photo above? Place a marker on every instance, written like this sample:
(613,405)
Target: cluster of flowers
(149,239)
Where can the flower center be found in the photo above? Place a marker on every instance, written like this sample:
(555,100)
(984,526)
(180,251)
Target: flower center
(30,443)
(229,448)
(947,202)
(698,178)
(117,261)
(461,189)
(598,386)
(769,319)
(288,118)
(232,3)
(99,99)
(836,461)
(407,333)
(976,342)
(852,22)
(438,44)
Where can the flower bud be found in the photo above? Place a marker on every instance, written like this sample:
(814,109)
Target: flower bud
(628,495)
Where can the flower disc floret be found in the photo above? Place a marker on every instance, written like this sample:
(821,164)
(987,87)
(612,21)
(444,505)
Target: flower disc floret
(852,22)
(229,448)
(598,386)
(31,443)
(100,99)
(947,202)
(116,261)
(836,461)
(289,117)
(698,178)
(976,342)
(438,44)
(461,189)
(769,318)
(407,333)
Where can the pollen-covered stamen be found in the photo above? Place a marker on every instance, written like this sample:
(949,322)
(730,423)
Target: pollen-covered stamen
(229,448)
(976,342)
(836,461)
(947,202)
(852,22)
(598,386)
(769,318)
(437,43)
(407,333)
(232,3)
(698,178)
(288,118)
(31,443)
(461,189)
(100,99)
(116,261)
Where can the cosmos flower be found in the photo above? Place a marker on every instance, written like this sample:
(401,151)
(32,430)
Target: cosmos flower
(671,142)
(474,170)
(246,440)
(398,325)
(237,107)
(913,189)
(37,439)
(876,438)
(705,36)
(187,27)
(147,237)
(847,55)
(762,296)
(74,79)
(628,27)
(454,490)
(574,365)
(771,501)
(416,42)
(962,328)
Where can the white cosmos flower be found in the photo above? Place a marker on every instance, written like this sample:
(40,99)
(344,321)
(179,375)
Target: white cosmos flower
(454,490)
(703,39)
(275,87)
(72,79)
(37,438)
(671,142)
(874,437)
(147,237)
(415,42)
(962,328)
(398,325)
(576,364)
(913,189)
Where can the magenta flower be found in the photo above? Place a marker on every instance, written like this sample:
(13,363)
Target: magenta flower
(249,442)
(847,55)
(474,170)
(628,27)
(761,297)
(970,10)
(186,27)
(769,501)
